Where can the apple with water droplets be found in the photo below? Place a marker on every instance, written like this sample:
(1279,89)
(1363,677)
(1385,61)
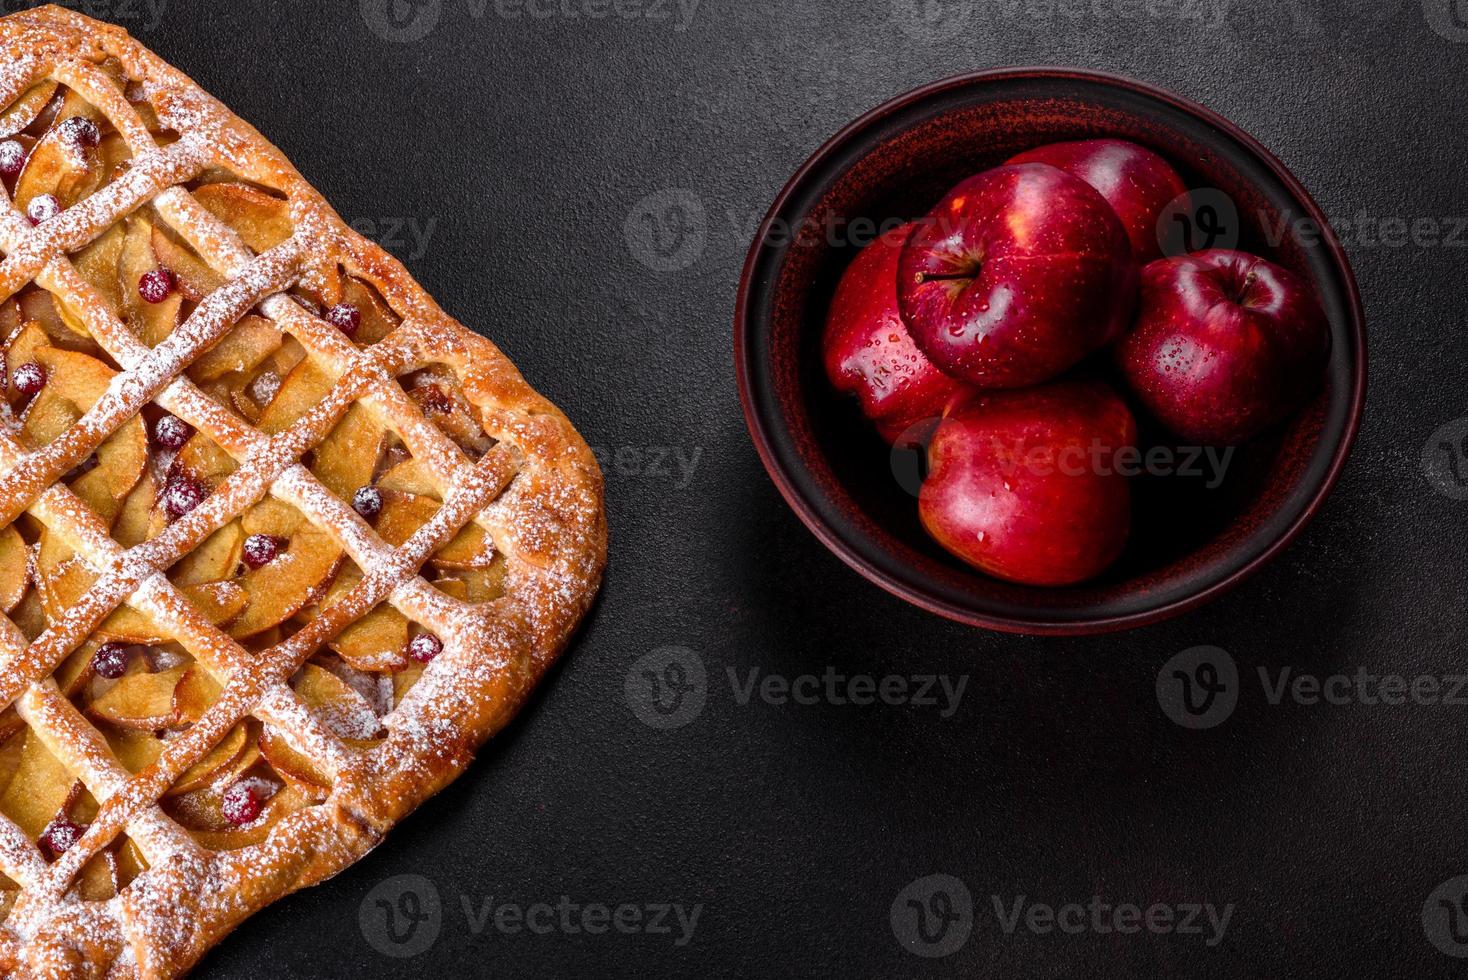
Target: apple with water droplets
(1025,485)
(1226,344)
(1138,183)
(868,352)
(1016,275)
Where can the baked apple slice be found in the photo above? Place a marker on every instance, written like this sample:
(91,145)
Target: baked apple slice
(300,390)
(294,578)
(152,322)
(98,264)
(62,329)
(341,709)
(438,394)
(39,789)
(195,277)
(99,879)
(217,558)
(25,110)
(63,167)
(377,318)
(376,642)
(247,345)
(140,518)
(216,762)
(141,701)
(347,457)
(135,750)
(403,514)
(204,812)
(14,568)
(410,477)
(196,691)
(261,220)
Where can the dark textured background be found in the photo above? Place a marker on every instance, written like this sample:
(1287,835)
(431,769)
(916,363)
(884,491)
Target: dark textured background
(525,144)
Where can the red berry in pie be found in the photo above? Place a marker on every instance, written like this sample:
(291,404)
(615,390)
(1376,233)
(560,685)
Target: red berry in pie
(43,207)
(80,131)
(261,549)
(156,285)
(182,494)
(424,647)
(345,317)
(171,432)
(368,502)
(30,378)
(59,836)
(244,800)
(12,158)
(110,661)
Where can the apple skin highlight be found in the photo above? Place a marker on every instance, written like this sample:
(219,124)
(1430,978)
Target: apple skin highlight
(1023,485)
(1018,274)
(1138,184)
(1226,345)
(868,351)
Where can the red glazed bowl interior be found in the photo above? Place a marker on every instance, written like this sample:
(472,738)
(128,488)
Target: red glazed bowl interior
(1190,542)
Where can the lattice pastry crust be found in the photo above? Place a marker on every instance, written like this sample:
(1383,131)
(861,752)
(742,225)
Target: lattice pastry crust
(198,347)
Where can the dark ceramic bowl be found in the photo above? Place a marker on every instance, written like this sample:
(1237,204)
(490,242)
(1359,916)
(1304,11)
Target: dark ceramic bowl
(1191,541)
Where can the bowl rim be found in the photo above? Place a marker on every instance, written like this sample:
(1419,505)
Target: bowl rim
(1013,624)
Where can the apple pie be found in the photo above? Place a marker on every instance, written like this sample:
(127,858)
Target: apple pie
(281,543)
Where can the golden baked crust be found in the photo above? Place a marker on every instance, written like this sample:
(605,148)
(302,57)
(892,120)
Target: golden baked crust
(535,492)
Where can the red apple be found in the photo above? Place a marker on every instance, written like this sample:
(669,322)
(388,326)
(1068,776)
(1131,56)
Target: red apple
(1024,484)
(868,351)
(1016,275)
(1137,183)
(1226,344)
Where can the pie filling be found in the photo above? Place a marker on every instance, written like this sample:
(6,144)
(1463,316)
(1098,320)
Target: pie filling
(260,577)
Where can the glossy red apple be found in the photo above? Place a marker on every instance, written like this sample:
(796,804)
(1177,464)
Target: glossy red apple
(1024,484)
(1137,183)
(1016,275)
(1226,344)
(868,351)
